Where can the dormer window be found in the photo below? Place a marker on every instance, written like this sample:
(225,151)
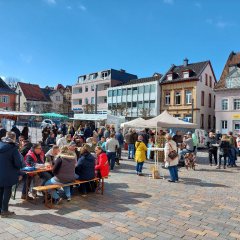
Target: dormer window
(104,74)
(186,74)
(170,77)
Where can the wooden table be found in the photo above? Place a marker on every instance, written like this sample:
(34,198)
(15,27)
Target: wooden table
(35,172)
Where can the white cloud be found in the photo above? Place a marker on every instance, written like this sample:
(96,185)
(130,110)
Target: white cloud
(221,24)
(26,58)
(69,8)
(82,7)
(168,1)
(51,2)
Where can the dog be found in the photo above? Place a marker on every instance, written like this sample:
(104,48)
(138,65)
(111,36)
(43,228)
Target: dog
(190,160)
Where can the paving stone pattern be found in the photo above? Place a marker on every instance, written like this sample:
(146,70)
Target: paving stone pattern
(203,205)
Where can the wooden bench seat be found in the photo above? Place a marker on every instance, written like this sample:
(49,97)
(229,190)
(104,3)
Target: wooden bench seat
(45,189)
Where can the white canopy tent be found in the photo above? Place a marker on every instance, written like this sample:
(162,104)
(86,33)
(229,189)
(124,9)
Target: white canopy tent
(134,123)
(165,120)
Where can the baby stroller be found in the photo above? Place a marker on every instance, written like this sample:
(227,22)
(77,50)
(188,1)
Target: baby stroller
(190,161)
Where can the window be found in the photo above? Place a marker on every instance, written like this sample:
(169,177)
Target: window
(169,76)
(135,90)
(92,88)
(114,93)
(80,101)
(224,124)
(86,88)
(146,89)
(58,98)
(167,98)
(209,122)
(134,104)
(206,79)
(152,88)
(106,86)
(86,100)
(177,97)
(124,91)
(214,102)
(140,89)
(119,92)
(146,104)
(214,122)
(92,100)
(129,104)
(80,90)
(188,117)
(236,125)
(82,78)
(210,81)
(188,97)
(105,100)
(236,104)
(104,74)
(140,104)
(110,93)
(224,104)
(177,115)
(202,121)
(202,98)
(129,91)
(4,99)
(152,104)
(210,100)
(185,74)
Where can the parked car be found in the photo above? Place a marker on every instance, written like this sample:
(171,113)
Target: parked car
(47,123)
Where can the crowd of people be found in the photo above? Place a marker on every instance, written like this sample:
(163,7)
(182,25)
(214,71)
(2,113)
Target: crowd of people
(84,153)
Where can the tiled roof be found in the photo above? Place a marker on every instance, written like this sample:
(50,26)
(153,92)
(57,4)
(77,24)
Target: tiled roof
(32,92)
(4,88)
(47,93)
(195,70)
(144,80)
(233,59)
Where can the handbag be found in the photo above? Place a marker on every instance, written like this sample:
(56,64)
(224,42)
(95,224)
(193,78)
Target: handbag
(173,154)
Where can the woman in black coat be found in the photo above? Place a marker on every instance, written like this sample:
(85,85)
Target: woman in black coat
(10,164)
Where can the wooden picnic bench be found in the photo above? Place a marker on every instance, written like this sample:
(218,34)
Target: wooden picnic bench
(51,188)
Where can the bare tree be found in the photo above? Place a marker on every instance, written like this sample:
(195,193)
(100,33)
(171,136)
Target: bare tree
(88,108)
(145,112)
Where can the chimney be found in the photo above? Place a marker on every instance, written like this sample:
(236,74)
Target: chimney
(185,62)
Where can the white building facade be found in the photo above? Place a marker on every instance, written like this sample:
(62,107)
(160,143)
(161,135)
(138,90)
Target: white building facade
(137,98)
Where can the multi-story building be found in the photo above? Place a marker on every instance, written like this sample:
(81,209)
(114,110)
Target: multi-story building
(7,97)
(187,93)
(227,92)
(84,94)
(136,98)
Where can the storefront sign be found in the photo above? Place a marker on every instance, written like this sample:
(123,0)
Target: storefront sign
(236,116)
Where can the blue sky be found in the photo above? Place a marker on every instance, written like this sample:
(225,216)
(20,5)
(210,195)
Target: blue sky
(53,41)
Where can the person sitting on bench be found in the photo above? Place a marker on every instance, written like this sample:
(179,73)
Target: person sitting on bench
(64,172)
(188,142)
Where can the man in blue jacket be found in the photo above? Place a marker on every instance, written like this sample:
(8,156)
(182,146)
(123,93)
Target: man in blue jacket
(10,164)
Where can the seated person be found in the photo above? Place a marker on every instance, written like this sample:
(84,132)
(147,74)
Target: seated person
(51,140)
(188,142)
(64,172)
(25,147)
(52,154)
(34,156)
(92,143)
(102,165)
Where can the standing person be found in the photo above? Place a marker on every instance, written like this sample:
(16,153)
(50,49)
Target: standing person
(107,132)
(195,142)
(64,129)
(55,129)
(119,137)
(140,155)
(171,163)
(64,172)
(87,132)
(131,144)
(111,146)
(45,134)
(16,131)
(224,147)
(102,165)
(238,144)
(232,151)
(3,132)
(71,131)
(10,165)
(177,138)
(25,131)
(212,150)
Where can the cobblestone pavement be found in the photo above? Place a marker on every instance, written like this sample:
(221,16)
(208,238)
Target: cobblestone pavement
(203,205)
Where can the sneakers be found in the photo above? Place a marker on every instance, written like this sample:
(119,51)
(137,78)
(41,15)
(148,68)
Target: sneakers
(57,201)
(140,174)
(5,214)
(69,199)
(25,197)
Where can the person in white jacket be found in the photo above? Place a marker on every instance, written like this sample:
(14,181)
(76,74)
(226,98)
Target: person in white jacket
(64,140)
(170,145)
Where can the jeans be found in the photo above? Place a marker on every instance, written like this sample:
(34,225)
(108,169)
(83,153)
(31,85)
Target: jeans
(173,170)
(119,152)
(5,194)
(220,160)
(212,153)
(139,167)
(232,156)
(131,150)
(111,159)
(54,193)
